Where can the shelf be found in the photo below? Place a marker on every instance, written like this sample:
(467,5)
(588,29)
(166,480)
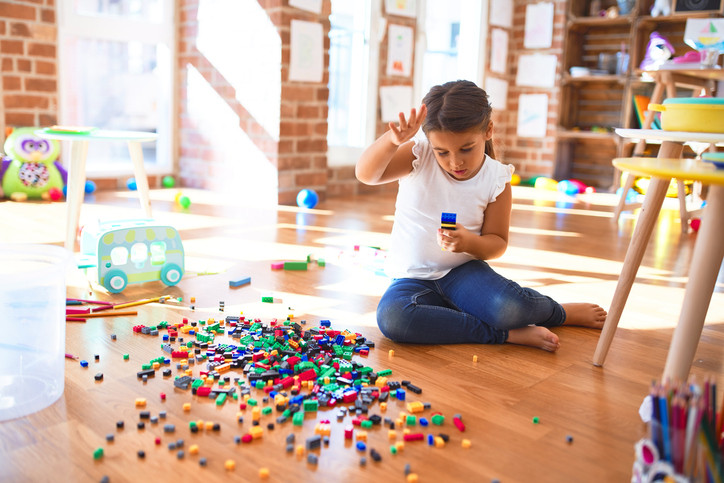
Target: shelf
(564,133)
(569,79)
(679,18)
(599,21)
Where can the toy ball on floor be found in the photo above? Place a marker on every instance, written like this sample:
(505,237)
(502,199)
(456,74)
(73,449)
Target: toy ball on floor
(183,201)
(131,184)
(544,183)
(168,182)
(307,198)
(90,186)
(568,187)
(55,194)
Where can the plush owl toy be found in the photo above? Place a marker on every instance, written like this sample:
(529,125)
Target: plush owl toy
(31,167)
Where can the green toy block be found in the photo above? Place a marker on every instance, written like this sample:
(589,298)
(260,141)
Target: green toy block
(295,265)
(438,419)
(310,405)
(298,418)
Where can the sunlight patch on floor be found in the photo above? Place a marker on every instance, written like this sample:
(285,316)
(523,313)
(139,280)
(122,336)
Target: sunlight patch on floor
(540,232)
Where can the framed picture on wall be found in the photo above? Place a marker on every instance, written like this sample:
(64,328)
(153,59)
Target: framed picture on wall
(697,6)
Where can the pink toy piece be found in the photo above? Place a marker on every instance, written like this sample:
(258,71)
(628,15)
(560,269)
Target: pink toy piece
(277,265)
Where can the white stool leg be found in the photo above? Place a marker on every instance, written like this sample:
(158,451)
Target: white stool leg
(140,172)
(681,194)
(75,190)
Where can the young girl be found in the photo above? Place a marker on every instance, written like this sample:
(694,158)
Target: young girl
(443,291)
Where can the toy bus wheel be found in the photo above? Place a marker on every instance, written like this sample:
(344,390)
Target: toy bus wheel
(115,281)
(171,274)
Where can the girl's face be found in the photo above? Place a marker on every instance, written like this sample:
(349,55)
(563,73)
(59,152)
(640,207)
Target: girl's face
(460,154)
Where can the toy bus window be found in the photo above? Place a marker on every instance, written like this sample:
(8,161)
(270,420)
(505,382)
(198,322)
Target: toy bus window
(119,255)
(139,254)
(158,253)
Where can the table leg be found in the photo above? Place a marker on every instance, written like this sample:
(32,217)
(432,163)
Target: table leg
(75,190)
(703,271)
(140,173)
(655,194)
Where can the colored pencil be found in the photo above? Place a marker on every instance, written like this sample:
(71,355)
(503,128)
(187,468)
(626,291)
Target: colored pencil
(141,302)
(120,313)
(665,430)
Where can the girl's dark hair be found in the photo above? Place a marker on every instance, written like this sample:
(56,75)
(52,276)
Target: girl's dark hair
(458,106)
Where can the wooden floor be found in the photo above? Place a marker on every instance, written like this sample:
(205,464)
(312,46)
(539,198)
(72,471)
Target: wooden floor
(567,248)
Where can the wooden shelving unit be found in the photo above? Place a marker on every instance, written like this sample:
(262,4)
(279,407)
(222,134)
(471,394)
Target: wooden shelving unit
(591,106)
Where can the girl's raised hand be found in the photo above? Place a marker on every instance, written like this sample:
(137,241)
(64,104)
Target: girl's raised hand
(406,129)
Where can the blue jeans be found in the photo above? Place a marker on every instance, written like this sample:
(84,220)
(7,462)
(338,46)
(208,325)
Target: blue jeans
(471,304)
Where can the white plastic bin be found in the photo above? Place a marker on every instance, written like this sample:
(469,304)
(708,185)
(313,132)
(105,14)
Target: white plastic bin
(32,318)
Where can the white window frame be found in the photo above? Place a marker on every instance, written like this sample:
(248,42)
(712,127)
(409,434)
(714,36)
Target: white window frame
(72,24)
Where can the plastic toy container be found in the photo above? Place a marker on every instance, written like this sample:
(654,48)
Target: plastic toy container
(32,316)
(691,114)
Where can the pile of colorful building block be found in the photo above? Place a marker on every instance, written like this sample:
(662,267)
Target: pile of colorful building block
(284,373)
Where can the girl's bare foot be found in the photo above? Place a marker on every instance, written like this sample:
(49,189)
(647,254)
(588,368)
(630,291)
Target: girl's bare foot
(585,315)
(534,336)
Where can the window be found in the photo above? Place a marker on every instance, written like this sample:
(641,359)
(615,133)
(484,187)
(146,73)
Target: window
(451,42)
(119,255)
(116,73)
(352,79)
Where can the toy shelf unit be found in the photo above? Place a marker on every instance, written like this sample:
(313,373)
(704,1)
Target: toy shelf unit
(594,82)
(132,251)
(604,45)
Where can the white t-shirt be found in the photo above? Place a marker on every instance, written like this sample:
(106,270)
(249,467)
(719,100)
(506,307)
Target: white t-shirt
(423,196)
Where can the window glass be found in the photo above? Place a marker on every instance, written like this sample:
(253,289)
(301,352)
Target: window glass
(139,253)
(119,255)
(442,29)
(348,71)
(121,91)
(158,253)
(147,9)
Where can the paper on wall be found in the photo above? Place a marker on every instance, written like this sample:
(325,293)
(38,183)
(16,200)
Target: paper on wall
(394,100)
(314,6)
(399,50)
(536,70)
(532,115)
(499,51)
(406,8)
(501,13)
(538,25)
(497,90)
(306,63)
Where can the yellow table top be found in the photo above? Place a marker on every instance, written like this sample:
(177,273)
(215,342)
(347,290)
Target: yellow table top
(689,169)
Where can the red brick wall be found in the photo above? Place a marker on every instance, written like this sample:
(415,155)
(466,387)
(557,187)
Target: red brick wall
(28,63)
(530,156)
(295,149)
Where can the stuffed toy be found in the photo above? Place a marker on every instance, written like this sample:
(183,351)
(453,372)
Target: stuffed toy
(661,7)
(658,51)
(31,167)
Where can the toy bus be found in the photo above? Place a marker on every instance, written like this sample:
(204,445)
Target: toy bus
(132,251)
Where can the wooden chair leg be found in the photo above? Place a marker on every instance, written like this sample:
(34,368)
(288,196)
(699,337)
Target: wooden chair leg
(683,213)
(628,184)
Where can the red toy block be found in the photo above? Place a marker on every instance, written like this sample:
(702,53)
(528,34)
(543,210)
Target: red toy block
(413,437)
